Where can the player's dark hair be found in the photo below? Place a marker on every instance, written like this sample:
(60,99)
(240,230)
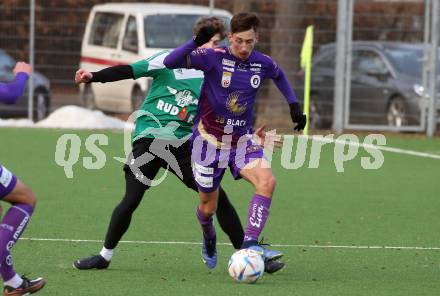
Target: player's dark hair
(212,21)
(244,21)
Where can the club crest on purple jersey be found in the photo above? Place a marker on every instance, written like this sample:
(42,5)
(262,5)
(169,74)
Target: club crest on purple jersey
(255,81)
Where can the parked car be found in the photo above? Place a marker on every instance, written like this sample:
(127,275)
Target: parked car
(123,33)
(41,92)
(386,84)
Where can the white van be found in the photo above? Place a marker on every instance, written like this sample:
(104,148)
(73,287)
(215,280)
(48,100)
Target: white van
(123,33)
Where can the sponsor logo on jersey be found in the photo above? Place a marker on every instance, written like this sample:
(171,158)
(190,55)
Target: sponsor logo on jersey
(233,105)
(228,69)
(182,113)
(220,119)
(167,107)
(226,79)
(255,81)
(183,98)
(255,65)
(258,70)
(228,63)
(242,67)
(236,122)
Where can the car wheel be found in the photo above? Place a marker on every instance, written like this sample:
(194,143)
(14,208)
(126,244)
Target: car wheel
(397,112)
(88,98)
(41,105)
(137,98)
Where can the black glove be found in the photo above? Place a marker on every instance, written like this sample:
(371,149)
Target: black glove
(205,34)
(297,116)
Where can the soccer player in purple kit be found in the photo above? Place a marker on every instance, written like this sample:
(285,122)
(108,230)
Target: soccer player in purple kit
(222,129)
(22,201)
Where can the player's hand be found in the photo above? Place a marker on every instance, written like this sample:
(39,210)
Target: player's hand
(297,116)
(262,137)
(205,34)
(83,76)
(22,67)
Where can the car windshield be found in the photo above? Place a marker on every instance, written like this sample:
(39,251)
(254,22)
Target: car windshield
(408,60)
(169,30)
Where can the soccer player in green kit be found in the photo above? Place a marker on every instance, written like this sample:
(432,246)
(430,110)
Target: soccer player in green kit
(159,141)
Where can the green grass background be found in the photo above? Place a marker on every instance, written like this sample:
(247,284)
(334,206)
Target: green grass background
(396,205)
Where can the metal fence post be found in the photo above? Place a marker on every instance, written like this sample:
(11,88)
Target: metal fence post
(425,70)
(343,63)
(341,41)
(433,60)
(31,59)
(347,69)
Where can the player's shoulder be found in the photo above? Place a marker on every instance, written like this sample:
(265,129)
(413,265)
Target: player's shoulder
(262,58)
(158,55)
(221,50)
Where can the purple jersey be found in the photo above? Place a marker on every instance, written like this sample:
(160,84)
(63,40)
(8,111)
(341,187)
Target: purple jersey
(11,92)
(230,86)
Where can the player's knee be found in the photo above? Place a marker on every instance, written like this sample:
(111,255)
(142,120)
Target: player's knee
(266,185)
(29,197)
(208,208)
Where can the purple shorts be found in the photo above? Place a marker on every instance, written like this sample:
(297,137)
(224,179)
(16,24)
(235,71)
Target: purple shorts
(7,181)
(210,160)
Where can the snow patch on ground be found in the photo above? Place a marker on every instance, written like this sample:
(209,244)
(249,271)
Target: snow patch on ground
(71,117)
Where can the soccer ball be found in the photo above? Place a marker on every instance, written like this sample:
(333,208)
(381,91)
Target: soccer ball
(246,266)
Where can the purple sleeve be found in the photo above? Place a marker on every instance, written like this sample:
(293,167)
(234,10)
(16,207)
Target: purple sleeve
(11,92)
(178,58)
(285,87)
(189,56)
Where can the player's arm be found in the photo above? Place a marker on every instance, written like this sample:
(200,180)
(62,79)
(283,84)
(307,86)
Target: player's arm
(143,68)
(110,74)
(286,89)
(11,92)
(189,56)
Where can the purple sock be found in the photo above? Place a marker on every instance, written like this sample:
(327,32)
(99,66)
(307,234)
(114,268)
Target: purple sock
(206,223)
(258,211)
(11,228)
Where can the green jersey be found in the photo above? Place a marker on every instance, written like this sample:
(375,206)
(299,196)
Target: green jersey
(169,109)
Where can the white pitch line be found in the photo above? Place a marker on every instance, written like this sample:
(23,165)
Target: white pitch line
(383,148)
(228,244)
